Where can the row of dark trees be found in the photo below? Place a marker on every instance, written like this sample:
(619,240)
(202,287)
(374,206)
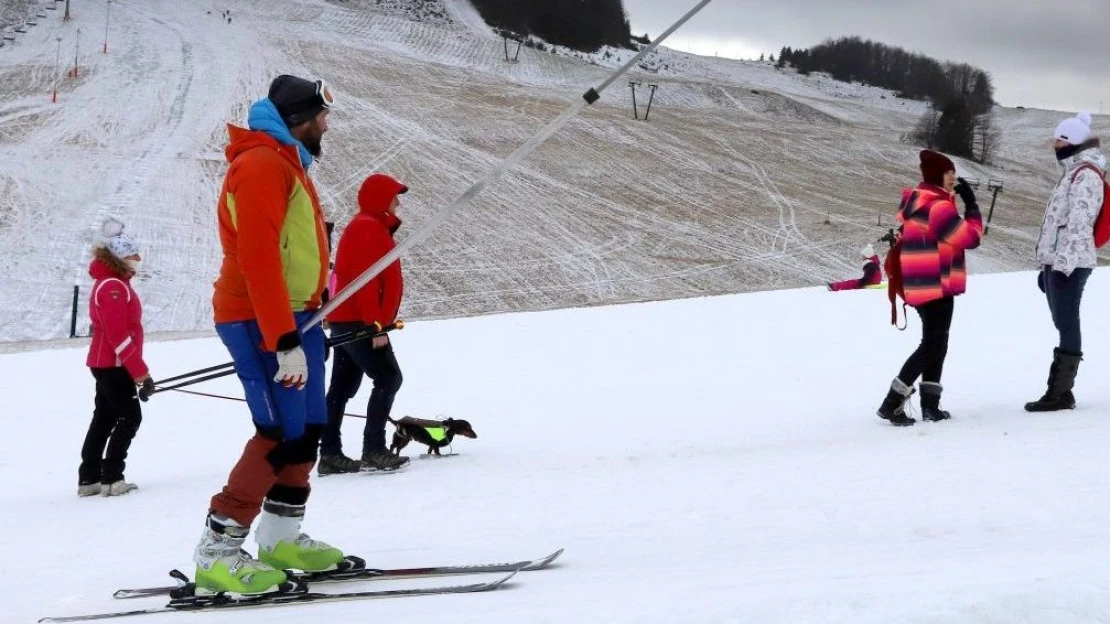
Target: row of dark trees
(960,97)
(583,25)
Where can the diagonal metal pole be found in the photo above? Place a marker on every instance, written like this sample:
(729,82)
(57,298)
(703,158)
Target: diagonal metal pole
(589,97)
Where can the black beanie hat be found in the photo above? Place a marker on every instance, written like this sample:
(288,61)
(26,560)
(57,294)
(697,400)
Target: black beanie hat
(298,100)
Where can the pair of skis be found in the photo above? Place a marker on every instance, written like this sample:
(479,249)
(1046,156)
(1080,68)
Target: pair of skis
(183,596)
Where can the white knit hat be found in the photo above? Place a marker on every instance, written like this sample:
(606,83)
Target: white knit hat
(121,245)
(1075,130)
(867,251)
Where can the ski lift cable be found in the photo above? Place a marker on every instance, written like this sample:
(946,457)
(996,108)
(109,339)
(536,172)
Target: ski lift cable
(510,161)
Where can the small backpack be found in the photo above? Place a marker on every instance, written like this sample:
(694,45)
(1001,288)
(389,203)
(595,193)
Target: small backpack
(893,264)
(1102,223)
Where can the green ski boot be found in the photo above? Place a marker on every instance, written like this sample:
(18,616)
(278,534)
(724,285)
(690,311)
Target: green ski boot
(222,565)
(282,545)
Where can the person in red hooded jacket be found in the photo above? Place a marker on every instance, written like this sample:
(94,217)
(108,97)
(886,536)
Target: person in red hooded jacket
(116,361)
(367,238)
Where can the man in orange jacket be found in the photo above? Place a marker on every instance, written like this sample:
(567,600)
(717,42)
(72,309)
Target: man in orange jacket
(274,269)
(366,240)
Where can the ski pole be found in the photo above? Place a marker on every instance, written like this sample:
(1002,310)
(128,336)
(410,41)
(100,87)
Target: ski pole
(342,339)
(228,398)
(199,371)
(510,161)
(364,333)
(224,373)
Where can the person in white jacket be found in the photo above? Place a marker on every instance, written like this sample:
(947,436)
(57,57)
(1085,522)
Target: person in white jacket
(1066,251)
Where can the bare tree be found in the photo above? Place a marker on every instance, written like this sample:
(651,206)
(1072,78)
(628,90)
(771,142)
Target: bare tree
(987,138)
(925,132)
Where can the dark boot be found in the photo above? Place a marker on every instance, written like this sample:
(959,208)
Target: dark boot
(894,405)
(1061,379)
(337,463)
(930,402)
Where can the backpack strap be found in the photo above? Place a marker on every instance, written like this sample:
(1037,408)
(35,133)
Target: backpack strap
(905,210)
(1087,165)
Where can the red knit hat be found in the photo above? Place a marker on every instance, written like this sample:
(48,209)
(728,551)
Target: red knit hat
(933,167)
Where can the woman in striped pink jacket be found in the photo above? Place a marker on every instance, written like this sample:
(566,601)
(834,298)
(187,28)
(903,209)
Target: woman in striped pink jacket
(934,238)
(116,361)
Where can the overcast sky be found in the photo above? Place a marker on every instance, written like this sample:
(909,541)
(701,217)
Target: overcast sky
(1041,53)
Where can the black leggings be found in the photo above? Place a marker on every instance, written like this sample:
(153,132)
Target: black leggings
(927,361)
(116,419)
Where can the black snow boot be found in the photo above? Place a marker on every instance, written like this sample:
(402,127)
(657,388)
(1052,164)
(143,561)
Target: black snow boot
(337,464)
(894,405)
(930,402)
(1061,379)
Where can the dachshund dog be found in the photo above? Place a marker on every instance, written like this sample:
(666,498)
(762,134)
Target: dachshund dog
(435,434)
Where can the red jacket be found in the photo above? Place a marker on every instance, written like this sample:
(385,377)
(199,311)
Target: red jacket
(367,238)
(117,322)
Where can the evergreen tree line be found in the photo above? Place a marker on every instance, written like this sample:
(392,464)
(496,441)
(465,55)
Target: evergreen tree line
(960,97)
(583,25)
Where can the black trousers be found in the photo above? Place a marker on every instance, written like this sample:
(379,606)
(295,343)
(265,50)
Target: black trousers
(351,361)
(927,362)
(115,421)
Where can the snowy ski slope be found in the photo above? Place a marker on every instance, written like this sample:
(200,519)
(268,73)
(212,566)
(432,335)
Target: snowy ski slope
(745,178)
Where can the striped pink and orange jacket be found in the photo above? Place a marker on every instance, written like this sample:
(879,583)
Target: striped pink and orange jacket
(934,238)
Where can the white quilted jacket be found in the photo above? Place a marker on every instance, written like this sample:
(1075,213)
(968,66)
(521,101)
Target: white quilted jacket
(1067,241)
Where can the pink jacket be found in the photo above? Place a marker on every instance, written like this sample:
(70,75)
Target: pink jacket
(934,238)
(117,328)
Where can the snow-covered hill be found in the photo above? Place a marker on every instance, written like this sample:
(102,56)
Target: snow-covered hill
(745,178)
(702,461)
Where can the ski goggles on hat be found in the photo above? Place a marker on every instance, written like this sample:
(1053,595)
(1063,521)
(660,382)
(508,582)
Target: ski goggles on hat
(302,110)
(323,92)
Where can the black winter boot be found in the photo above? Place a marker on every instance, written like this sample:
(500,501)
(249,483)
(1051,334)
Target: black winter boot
(930,402)
(894,405)
(1061,379)
(337,464)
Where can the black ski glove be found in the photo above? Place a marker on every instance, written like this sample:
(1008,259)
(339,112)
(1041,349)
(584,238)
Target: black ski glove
(146,389)
(1040,280)
(963,189)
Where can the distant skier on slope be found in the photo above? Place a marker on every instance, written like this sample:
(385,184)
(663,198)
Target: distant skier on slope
(931,259)
(274,269)
(872,272)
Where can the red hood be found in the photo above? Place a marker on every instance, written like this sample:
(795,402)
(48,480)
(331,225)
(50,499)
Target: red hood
(376,195)
(98,270)
(243,140)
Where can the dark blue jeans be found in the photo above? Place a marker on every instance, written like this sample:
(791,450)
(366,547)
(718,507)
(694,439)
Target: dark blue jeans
(1064,292)
(351,361)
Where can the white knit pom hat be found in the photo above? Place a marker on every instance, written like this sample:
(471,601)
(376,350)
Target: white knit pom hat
(1075,130)
(867,251)
(121,245)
